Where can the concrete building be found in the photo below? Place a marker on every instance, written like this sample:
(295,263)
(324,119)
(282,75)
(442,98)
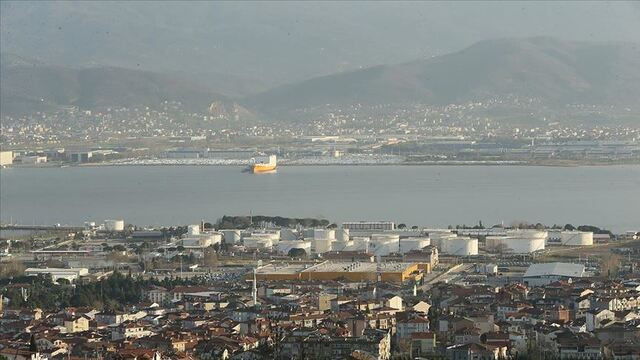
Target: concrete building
(6,158)
(32,159)
(369,225)
(80,156)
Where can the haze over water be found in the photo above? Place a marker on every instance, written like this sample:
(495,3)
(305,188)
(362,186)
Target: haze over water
(436,196)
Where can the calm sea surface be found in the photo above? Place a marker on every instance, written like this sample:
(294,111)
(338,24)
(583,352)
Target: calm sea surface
(607,196)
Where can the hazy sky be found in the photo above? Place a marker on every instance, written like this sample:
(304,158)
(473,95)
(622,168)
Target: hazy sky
(278,42)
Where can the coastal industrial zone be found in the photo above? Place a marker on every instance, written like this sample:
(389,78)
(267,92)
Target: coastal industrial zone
(261,287)
(459,134)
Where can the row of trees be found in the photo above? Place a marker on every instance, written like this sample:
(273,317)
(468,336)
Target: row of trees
(243,222)
(115,292)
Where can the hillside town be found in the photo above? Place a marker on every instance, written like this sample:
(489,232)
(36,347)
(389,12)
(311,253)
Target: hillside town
(358,134)
(278,288)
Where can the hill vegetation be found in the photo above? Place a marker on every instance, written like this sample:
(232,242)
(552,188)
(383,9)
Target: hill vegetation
(556,72)
(27,85)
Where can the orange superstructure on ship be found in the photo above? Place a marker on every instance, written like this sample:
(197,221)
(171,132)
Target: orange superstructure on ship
(263,164)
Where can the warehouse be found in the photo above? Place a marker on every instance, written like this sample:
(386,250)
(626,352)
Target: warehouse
(546,273)
(396,272)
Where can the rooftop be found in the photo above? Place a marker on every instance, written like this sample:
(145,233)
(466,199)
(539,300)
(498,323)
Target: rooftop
(557,269)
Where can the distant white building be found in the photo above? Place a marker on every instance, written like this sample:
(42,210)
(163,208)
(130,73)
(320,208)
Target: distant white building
(6,158)
(58,273)
(369,225)
(546,273)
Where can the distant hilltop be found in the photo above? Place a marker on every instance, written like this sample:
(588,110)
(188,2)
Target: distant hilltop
(556,72)
(552,72)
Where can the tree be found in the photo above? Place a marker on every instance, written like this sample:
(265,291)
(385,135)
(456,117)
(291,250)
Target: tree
(402,226)
(333,226)
(569,227)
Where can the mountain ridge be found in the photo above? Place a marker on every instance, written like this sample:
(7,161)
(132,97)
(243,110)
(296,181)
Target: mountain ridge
(556,71)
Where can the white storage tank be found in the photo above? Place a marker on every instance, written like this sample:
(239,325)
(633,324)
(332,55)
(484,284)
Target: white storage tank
(321,246)
(383,238)
(413,243)
(342,234)
(273,235)
(576,238)
(258,243)
(436,237)
(193,229)
(284,247)
(327,234)
(342,245)
(460,246)
(114,225)
(231,236)
(517,242)
(360,243)
(288,235)
(554,236)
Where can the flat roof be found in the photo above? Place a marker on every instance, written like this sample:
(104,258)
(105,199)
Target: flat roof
(281,269)
(359,266)
(555,269)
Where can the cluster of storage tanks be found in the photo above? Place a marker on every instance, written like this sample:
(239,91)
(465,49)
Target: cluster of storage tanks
(319,241)
(450,243)
(197,238)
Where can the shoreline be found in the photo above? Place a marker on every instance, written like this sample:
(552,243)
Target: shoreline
(346,164)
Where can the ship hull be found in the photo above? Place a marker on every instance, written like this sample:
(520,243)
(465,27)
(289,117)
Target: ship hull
(264,169)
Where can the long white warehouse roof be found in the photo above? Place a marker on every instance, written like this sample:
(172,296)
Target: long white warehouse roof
(555,269)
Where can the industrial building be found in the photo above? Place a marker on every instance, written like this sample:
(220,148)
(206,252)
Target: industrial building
(570,238)
(369,225)
(546,273)
(58,273)
(396,272)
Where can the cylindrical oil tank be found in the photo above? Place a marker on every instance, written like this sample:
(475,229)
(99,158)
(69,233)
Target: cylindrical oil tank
(288,235)
(437,237)
(338,245)
(193,230)
(114,225)
(321,246)
(324,234)
(576,238)
(260,243)
(413,243)
(342,234)
(231,236)
(361,243)
(383,238)
(517,242)
(460,246)
(284,247)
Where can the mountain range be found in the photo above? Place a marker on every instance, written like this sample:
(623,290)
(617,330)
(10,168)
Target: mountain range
(27,85)
(555,72)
